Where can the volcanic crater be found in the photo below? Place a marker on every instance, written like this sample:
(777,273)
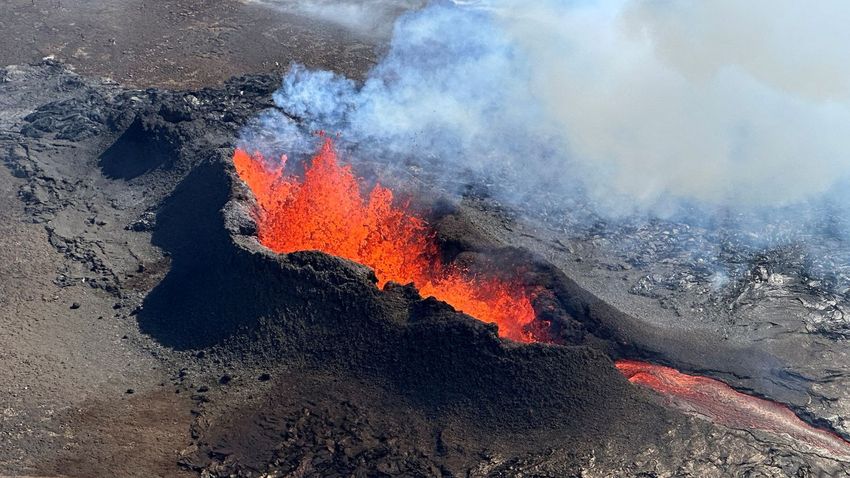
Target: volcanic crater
(228,293)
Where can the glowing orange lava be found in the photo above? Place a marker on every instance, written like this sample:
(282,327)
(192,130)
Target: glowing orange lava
(326,211)
(719,402)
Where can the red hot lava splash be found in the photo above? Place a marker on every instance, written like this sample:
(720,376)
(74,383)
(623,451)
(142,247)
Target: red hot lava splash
(721,403)
(326,211)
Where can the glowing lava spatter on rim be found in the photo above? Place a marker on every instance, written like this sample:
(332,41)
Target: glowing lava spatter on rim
(326,211)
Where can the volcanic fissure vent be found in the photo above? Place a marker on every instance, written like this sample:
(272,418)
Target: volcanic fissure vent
(328,211)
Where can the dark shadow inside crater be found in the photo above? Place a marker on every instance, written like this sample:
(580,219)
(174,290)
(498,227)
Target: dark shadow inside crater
(200,302)
(148,143)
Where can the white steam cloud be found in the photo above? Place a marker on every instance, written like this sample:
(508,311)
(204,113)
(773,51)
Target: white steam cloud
(636,103)
(720,101)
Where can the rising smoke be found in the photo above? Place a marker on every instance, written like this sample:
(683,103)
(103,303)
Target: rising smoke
(636,105)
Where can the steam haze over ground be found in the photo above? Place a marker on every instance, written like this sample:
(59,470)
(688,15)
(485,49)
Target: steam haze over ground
(369,17)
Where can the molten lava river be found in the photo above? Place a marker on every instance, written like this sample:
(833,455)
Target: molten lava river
(719,402)
(327,211)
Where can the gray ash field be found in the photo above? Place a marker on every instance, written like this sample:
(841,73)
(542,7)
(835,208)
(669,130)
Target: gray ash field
(145,331)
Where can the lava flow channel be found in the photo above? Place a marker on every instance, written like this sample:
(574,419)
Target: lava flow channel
(327,211)
(720,403)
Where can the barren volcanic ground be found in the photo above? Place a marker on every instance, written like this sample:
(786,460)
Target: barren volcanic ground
(145,331)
